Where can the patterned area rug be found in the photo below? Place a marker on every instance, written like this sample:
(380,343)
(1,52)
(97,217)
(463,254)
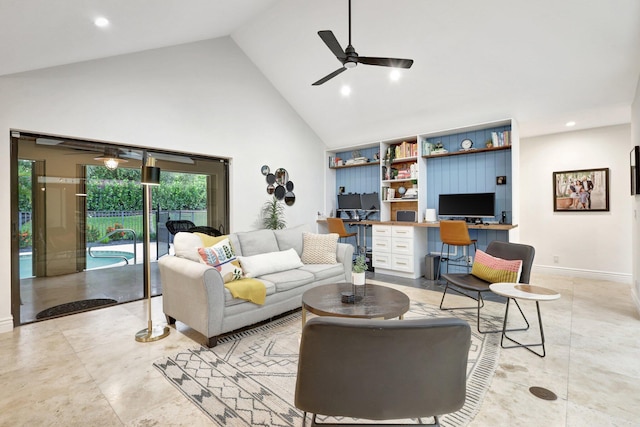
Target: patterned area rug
(249,378)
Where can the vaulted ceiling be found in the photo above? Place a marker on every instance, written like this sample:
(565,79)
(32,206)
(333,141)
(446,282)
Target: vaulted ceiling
(542,62)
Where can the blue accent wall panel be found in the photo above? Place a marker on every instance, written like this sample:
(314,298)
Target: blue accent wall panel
(469,173)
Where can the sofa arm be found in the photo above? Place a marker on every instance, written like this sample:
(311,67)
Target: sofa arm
(344,255)
(192,293)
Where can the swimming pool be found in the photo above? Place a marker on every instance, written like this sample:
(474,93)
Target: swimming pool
(92,263)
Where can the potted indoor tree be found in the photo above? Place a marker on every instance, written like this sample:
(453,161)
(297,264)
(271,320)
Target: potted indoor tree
(273,215)
(359,267)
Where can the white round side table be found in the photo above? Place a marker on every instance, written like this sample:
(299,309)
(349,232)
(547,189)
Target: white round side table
(526,292)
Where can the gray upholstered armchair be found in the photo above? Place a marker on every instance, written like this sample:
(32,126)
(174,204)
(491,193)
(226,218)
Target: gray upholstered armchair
(382,369)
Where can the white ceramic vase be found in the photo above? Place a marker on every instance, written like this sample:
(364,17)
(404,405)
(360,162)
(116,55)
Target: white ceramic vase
(357,278)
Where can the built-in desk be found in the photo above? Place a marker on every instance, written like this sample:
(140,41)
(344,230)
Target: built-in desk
(399,248)
(504,227)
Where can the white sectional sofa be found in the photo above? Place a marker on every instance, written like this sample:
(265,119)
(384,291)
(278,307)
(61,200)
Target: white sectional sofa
(195,294)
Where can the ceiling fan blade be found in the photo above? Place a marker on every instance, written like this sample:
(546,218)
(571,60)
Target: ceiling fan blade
(386,62)
(332,43)
(329,76)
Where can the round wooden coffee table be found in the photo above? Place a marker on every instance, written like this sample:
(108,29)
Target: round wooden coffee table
(378,302)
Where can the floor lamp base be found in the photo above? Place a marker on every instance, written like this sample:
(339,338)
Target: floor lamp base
(154,334)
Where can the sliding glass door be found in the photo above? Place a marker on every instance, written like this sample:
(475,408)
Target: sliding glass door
(77,219)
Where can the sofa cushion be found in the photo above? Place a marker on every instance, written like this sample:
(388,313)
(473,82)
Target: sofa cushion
(291,237)
(495,270)
(185,245)
(256,242)
(271,262)
(319,248)
(324,271)
(222,258)
(290,279)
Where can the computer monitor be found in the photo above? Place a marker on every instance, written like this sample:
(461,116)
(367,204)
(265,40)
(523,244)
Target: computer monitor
(349,202)
(471,205)
(370,201)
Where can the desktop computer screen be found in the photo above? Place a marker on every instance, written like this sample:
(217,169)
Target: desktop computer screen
(349,202)
(370,201)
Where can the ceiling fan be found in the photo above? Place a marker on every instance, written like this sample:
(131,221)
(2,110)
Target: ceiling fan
(350,58)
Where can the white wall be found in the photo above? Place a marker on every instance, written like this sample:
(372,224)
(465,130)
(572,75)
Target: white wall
(204,97)
(635,203)
(594,244)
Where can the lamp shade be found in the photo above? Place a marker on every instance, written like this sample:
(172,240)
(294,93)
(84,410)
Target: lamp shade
(150,175)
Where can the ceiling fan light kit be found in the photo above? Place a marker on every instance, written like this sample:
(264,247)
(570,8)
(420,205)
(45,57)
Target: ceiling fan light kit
(350,58)
(111,159)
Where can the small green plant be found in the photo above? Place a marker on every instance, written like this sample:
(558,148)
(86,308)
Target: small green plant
(360,264)
(273,215)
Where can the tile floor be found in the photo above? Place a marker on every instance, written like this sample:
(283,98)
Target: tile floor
(87,369)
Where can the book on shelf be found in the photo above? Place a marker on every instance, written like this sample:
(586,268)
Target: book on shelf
(406,149)
(501,139)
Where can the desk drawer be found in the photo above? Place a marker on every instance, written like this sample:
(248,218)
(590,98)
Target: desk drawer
(381,230)
(381,244)
(402,231)
(381,260)
(402,246)
(402,263)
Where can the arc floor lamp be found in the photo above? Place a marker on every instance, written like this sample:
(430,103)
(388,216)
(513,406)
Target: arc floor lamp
(150,176)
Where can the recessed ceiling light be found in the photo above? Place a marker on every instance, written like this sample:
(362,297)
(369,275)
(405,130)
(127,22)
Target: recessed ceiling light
(101,22)
(394,75)
(345,90)
(570,124)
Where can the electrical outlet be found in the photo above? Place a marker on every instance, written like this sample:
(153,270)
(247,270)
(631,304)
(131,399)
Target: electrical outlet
(556,259)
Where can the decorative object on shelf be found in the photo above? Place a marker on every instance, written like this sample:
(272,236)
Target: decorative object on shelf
(488,143)
(273,214)
(391,193)
(466,144)
(438,148)
(265,170)
(584,190)
(426,148)
(430,215)
(401,190)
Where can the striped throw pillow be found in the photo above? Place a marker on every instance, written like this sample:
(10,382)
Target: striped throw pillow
(496,270)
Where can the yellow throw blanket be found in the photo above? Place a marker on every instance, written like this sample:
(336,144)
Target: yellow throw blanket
(250,289)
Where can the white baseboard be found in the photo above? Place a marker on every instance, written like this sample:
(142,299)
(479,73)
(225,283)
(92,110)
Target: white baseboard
(585,274)
(6,325)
